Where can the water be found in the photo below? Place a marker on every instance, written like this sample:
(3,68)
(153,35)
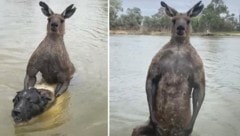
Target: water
(130,57)
(83,109)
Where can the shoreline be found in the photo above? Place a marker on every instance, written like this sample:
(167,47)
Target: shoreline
(124,32)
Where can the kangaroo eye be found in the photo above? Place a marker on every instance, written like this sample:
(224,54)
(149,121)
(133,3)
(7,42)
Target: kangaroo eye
(49,19)
(62,20)
(188,21)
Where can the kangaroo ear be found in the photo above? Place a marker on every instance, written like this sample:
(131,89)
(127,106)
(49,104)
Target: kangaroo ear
(68,12)
(45,9)
(195,10)
(169,10)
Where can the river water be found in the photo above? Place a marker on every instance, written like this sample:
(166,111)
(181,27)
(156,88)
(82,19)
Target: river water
(130,57)
(82,110)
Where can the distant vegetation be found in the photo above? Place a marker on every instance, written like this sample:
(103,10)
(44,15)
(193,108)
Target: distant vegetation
(214,18)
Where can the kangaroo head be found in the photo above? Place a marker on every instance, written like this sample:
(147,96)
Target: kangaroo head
(56,22)
(181,22)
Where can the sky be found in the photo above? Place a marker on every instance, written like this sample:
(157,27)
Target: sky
(150,7)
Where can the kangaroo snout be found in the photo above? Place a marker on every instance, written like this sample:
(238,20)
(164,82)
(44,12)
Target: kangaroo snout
(54,27)
(180,30)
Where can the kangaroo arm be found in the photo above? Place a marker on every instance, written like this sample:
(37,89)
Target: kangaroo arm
(61,88)
(198,95)
(30,78)
(153,78)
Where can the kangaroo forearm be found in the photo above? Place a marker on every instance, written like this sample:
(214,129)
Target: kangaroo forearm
(149,91)
(198,97)
(61,88)
(29,81)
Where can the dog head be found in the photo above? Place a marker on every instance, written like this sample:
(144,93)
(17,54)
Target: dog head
(28,104)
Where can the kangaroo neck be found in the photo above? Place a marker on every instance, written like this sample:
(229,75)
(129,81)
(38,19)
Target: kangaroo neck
(54,37)
(180,41)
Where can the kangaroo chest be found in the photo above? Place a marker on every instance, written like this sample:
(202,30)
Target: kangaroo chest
(174,89)
(53,58)
(176,61)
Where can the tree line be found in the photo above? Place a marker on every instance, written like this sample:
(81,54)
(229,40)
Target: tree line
(215,17)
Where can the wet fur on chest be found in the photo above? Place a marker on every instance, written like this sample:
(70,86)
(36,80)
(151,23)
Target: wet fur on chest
(51,59)
(172,100)
(175,60)
(50,53)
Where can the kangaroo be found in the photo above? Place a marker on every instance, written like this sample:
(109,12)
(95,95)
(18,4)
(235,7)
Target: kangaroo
(51,57)
(175,75)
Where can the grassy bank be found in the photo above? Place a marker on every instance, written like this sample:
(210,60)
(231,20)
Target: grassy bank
(126,32)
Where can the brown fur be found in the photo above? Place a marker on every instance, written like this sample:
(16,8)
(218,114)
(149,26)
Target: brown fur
(51,57)
(176,73)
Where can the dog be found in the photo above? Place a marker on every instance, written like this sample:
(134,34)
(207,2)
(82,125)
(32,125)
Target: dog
(29,103)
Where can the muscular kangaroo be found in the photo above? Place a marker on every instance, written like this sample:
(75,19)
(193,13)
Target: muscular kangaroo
(175,75)
(51,57)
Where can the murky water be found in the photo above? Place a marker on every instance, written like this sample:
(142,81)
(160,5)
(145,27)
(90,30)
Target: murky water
(130,57)
(83,109)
